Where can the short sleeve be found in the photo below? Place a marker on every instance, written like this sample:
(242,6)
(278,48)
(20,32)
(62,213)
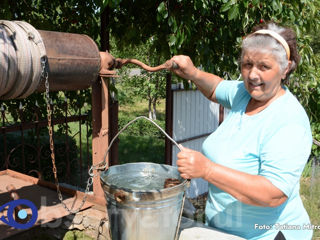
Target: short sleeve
(226,92)
(284,156)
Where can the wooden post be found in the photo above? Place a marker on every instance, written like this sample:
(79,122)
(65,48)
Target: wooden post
(113,130)
(100,125)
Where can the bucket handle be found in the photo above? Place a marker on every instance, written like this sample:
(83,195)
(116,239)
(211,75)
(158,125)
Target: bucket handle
(105,163)
(120,196)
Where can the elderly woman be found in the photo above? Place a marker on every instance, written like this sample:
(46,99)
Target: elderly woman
(254,160)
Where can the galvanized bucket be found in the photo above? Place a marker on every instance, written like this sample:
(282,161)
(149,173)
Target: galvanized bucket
(139,207)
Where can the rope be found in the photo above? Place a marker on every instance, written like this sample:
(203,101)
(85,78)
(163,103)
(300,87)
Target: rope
(38,52)
(22,49)
(3,59)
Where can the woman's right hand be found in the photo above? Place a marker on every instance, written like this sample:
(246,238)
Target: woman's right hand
(205,82)
(185,69)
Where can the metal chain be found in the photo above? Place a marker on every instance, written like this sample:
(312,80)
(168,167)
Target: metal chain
(45,76)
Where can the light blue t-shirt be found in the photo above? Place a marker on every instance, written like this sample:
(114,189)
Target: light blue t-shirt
(274,143)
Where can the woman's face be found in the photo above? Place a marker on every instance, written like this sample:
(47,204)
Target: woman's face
(262,75)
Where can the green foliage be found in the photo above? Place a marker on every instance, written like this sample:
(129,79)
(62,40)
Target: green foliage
(144,85)
(141,149)
(211,32)
(141,127)
(65,16)
(310,192)
(110,3)
(307,169)
(141,141)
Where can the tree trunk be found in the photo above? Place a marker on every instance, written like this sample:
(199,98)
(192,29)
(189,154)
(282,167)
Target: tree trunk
(154,109)
(150,108)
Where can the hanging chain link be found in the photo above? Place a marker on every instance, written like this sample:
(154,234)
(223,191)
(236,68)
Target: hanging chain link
(45,76)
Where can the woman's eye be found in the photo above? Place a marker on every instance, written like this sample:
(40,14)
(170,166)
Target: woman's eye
(247,65)
(265,67)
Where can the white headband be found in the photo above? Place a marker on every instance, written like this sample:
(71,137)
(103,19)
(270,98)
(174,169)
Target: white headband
(276,36)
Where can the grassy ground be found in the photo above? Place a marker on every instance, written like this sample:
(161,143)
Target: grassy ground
(141,143)
(140,107)
(310,194)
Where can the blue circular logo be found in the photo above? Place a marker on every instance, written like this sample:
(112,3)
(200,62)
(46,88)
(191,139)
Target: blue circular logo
(22,214)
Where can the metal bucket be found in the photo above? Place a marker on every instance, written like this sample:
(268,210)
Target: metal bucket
(139,207)
(142,213)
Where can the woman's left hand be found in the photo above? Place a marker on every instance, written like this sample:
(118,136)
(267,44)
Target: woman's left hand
(192,164)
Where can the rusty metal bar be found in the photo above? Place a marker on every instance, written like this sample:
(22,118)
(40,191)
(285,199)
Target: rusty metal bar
(3,116)
(22,139)
(80,148)
(169,120)
(66,139)
(37,130)
(88,160)
(113,130)
(42,123)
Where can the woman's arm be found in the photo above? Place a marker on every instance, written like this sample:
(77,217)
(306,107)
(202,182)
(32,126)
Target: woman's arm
(250,189)
(205,82)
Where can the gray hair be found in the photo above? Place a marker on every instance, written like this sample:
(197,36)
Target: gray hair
(268,44)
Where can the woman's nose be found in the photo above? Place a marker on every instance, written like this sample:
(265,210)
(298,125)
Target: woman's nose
(253,74)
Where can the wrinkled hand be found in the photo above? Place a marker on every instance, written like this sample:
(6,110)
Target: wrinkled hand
(193,164)
(185,69)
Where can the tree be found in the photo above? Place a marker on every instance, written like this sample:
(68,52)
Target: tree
(210,32)
(144,85)
(150,86)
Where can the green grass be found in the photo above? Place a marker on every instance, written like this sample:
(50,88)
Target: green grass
(75,133)
(147,144)
(141,149)
(140,107)
(75,234)
(310,194)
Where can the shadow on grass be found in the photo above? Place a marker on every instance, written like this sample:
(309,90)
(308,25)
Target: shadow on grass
(141,149)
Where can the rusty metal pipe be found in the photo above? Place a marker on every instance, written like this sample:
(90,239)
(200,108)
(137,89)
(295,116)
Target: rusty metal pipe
(165,66)
(73,60)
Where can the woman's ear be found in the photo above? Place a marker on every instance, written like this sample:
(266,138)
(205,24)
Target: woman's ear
(284,74)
